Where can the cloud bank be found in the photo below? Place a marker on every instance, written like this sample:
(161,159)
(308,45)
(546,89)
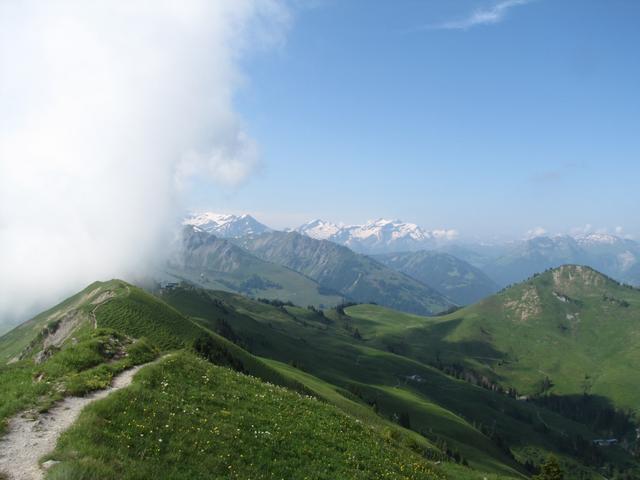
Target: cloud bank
(107,109)
(485,16)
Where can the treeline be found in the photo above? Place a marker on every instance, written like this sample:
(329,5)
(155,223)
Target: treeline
(591,411)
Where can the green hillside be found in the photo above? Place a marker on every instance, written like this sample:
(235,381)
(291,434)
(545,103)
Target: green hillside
(373,403)
(356,276)
(187,419)
(568,331)
(454,278)
(369,352)
(210,410)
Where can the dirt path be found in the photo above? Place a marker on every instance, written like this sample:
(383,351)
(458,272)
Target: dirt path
(29,439)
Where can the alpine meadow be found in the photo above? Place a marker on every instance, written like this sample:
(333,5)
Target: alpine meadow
(319,240)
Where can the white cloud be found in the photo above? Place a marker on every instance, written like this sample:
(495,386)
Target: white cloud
(107,107)
(536,232)
(445,234)
(485,16)
(583,230)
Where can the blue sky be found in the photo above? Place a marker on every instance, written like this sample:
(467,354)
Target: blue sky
(490,117)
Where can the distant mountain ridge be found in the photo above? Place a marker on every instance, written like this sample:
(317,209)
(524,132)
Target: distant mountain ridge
(455,278)
(505,263)
(614,256)
(379,236)
(212,262)
(338,268)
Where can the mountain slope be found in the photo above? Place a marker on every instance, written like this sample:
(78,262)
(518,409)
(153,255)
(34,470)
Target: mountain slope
(356,276)
(571,325)
(383,411)
(567,331)
(217,263)
(383,358)
(236,426)
(186,418)
(455,278)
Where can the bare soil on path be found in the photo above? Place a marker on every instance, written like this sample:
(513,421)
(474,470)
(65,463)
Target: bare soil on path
(31,436)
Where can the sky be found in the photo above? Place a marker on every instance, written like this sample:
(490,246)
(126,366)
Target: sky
(494,118)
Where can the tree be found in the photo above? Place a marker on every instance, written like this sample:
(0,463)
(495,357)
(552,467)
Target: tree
(404,420)
(550,470)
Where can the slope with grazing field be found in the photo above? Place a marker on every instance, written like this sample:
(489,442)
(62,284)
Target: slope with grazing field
(568,331)
(391,411)
(188,419)
(211,410)
(365,351)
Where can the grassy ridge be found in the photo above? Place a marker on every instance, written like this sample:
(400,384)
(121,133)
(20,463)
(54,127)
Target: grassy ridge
(187,419)
(138,314)
(79,367)
(15,341)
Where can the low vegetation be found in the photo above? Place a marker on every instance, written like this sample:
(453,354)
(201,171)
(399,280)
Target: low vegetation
(267,389)
(185,418)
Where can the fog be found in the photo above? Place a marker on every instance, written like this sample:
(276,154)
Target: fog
(107,109)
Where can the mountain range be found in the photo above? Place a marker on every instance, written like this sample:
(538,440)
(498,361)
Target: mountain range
(503,263)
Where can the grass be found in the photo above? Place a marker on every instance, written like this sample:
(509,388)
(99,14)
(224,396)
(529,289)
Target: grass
(378,403)
(77,369)
(572,325)
(139,314)
(16,340)
(299,337)
(187,419)
(375,370)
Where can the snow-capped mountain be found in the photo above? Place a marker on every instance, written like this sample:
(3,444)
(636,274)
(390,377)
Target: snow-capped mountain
(320,229)
(226,225)
(378,236)
(592,239)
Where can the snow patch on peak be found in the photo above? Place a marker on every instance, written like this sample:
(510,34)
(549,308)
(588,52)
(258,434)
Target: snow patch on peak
(377,236)
(226,225)
(319,229)
(597,238)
